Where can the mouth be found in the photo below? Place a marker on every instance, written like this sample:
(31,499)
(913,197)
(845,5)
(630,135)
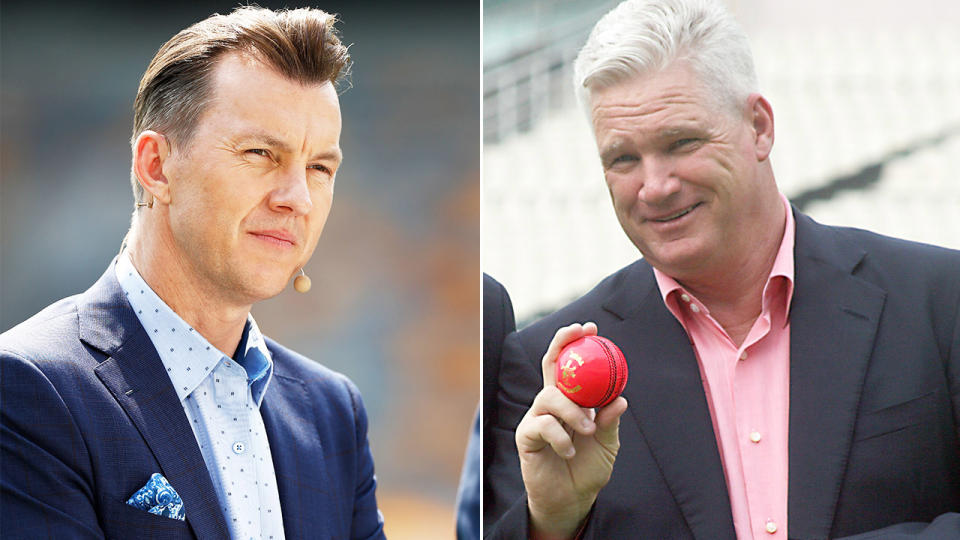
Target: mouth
(276,238)
(676,215)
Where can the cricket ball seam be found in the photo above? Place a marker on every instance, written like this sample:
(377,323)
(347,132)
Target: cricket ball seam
(611,373)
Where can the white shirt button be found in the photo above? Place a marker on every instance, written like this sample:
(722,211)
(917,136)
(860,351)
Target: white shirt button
(743,355)
(771,526)
(755,436)
(238,447)
(694,308)
(685,297)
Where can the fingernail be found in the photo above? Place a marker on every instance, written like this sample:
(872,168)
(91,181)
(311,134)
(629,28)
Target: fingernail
(586,423)
(569,453)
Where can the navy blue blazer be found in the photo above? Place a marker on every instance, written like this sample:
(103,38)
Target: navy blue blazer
(874,400)
(88,414)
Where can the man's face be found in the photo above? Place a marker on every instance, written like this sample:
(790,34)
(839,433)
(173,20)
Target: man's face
(251,191)
(682,171)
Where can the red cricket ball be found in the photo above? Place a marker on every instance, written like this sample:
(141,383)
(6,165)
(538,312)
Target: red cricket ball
(591,371)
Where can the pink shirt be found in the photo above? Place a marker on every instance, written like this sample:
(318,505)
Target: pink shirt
(748,392)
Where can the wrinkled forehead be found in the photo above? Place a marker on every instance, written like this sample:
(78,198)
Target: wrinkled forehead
(676,85)
(674,82)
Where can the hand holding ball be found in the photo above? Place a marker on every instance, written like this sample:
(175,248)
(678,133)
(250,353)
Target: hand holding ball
(591,371)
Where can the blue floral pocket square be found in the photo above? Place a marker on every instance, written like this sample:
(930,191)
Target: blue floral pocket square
(158,497)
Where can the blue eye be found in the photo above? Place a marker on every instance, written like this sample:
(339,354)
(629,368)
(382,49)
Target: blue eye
(259,152)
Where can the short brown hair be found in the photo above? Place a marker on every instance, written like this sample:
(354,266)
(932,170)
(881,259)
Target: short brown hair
(302,44)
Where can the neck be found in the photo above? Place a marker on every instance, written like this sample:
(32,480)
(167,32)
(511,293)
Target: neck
(734,292)
(189,294)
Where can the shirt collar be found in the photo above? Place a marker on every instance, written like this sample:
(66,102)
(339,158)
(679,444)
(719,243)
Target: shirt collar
(783,267)
(187,355)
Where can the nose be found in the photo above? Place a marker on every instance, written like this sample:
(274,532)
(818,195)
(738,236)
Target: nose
(292,194)
(658,181)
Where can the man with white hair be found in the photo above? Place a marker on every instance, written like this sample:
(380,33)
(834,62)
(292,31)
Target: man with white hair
(787,379)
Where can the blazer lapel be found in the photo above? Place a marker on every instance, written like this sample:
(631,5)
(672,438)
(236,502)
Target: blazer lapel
(303,488)
(833,322)
(134,374)
(667,400)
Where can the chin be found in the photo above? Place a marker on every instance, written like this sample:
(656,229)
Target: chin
(266,293)
(676,260)
(262,286)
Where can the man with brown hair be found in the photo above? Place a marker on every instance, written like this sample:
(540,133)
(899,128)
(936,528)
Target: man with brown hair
(151,405)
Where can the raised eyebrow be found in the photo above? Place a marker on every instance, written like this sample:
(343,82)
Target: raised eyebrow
(260,137)
(670,133)
(679,133)
(334,154)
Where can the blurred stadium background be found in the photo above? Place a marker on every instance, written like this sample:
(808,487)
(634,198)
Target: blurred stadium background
(395,302)
(866,101)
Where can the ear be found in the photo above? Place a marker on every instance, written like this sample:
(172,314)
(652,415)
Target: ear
(150,151)
(761,117)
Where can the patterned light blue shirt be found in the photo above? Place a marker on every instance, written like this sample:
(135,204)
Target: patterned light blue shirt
(222,400)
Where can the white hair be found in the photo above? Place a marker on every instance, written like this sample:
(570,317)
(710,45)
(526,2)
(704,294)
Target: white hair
(640,37)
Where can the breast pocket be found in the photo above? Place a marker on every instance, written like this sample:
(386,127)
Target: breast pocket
(896,417)
(120,520)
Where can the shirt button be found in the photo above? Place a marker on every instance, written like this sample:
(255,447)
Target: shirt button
(755,437)
(743,355)
(685,297)
(771,526)
(238,447)
(694,308)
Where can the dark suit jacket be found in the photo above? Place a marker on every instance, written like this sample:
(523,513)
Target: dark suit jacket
(874,399)
(498,321)
(88,414)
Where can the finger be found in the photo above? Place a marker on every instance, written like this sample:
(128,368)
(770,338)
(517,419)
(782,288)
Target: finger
(608,421)
(550,401)
(527,436)
(560,339)
(543,431)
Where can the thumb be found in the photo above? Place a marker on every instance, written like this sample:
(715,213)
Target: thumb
(608,421)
